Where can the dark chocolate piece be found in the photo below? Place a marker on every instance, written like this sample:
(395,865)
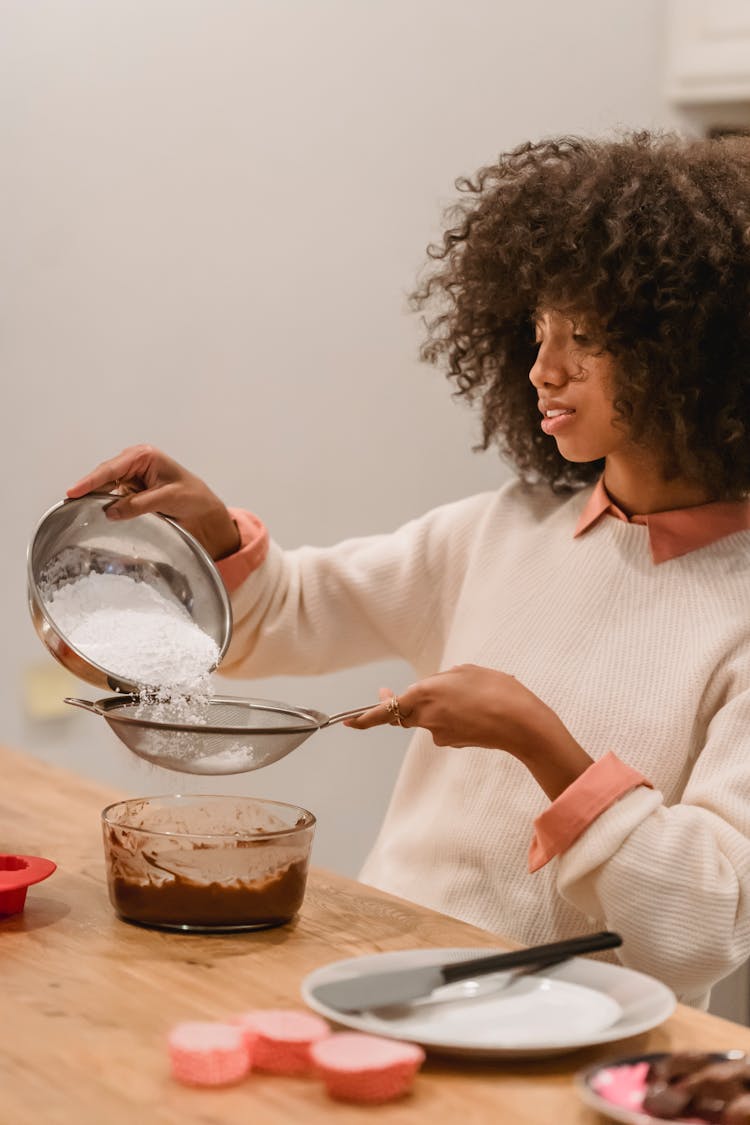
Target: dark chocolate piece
(665,1100)
(695,1084)
(719,1080)
(671,1068)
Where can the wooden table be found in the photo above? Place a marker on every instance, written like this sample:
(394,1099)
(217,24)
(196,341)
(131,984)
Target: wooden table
(86,1000)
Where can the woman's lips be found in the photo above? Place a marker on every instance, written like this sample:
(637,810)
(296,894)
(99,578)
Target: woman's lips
(558,422)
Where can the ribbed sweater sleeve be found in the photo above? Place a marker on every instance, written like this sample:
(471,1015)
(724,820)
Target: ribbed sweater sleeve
(318,609)
(675,882)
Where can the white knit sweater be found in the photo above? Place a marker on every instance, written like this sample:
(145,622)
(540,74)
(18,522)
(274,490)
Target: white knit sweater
(652,662)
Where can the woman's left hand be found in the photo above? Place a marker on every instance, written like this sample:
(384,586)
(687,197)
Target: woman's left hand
(465,706)
(473,706)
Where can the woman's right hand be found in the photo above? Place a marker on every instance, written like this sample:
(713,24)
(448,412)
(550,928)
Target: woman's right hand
(149,481)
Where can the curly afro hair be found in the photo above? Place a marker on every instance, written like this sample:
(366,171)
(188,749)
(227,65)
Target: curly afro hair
(646,236)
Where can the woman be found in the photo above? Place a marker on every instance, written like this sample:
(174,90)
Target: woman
(581,637)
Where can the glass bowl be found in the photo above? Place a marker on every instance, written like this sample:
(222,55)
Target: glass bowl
(206,864)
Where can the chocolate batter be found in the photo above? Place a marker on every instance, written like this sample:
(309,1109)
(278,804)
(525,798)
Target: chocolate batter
(183,903)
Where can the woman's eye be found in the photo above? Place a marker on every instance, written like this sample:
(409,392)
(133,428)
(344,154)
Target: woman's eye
(580,338)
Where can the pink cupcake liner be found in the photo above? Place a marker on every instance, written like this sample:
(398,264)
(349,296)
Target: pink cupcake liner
(281,1038)
(208,1054)
(366,1068)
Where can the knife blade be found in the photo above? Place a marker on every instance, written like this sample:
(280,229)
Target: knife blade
(398,986)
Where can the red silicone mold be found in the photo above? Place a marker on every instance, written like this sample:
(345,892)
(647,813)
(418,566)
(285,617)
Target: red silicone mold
(17,873)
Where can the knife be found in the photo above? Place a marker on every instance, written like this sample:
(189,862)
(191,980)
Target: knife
(376,990)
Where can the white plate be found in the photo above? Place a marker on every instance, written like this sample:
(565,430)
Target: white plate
(577,1004)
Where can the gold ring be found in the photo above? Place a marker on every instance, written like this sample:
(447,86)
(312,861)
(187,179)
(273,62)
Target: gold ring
(395,712)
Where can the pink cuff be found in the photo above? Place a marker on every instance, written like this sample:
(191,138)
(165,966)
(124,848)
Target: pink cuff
(252,550)
(579,805)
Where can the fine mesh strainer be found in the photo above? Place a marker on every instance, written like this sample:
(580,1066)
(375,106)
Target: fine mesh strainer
(238,735)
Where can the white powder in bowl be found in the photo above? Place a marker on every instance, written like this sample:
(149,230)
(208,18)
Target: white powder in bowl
(136,634)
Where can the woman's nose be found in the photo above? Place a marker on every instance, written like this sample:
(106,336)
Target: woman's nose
(549,367)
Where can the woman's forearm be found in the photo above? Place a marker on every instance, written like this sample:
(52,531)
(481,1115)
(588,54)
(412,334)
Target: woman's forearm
(551,754)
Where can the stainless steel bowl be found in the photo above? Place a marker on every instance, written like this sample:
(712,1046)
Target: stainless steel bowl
(75,537)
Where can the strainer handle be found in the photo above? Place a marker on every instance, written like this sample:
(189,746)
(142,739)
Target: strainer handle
(86,704)
(348,715)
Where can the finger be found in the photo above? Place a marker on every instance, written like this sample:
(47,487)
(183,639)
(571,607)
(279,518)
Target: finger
(407,704)
(108,486)
(393,712)
(91,483)
(118,469)
(374,717)
(119,488)
(135,503)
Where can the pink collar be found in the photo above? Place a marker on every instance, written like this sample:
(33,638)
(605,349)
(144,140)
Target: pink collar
(674,533)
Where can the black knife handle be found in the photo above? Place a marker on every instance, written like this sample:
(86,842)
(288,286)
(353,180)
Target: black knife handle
(556,950)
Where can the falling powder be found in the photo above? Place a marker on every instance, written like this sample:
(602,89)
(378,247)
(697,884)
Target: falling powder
(139,636)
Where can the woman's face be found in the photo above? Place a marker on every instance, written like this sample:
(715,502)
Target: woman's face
(573,377)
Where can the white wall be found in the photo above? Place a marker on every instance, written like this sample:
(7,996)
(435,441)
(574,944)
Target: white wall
(211,213)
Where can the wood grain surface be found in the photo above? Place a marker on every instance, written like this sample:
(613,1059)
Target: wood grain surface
(87,1000)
